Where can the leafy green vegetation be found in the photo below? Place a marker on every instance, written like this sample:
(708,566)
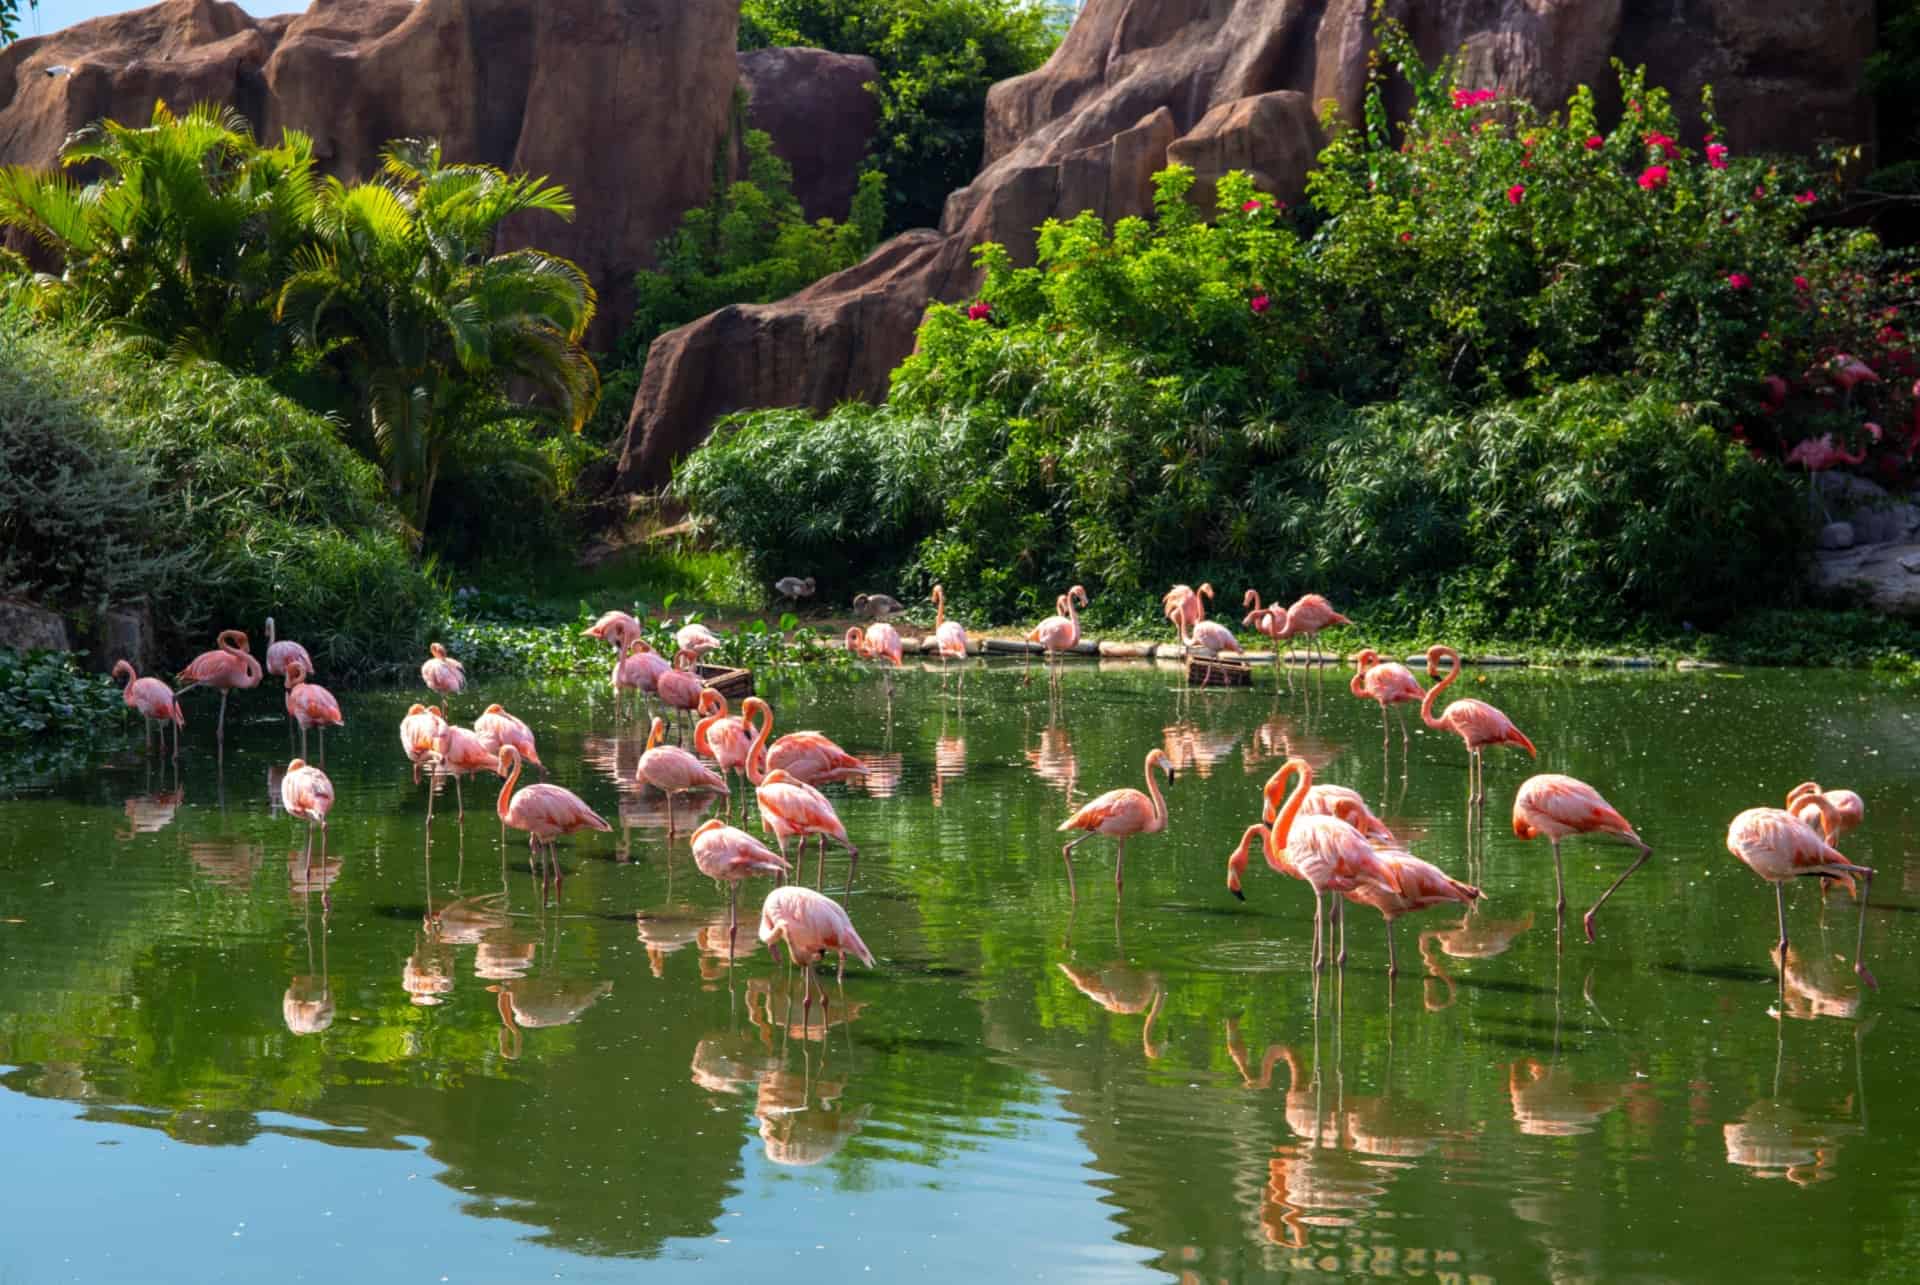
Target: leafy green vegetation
(45,692)
(1509,375)
(936,61)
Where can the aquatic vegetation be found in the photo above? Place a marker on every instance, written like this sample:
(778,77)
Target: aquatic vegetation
(45,693)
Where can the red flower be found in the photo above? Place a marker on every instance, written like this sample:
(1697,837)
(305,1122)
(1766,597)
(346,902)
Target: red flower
(1515,193)
(1259,303)
(1653,176)
(1805,198)
(1776,389)
(979,310)
(1660,141)
(1739,280)
(1800,284)
(1717,155)
(1248,207)
(1759,193)
(1406,236)
(1595,142)
(1465,98)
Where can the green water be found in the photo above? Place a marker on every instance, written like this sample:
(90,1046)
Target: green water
(204,1076)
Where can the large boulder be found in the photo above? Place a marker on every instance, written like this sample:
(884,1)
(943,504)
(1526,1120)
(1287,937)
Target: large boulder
(1227,84)
(818,110)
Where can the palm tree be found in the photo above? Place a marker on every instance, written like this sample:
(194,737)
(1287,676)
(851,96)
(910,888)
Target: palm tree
(405,293)
(183,239)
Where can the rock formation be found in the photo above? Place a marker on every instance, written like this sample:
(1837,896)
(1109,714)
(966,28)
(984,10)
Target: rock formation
(816,107)
(1223,84)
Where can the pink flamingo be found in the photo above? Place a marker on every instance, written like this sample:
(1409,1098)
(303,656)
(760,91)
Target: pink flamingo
(1271,621)
(459,753)
(881,643)
(810,924)
(279,653)
(306,793)
(230,667)
(727,740)
(419,729)
(1386,682)
(311,705)
(1778,846)
(949,636)
(810,757)
(696,638)
(722,852)
(1058,634)
(495,727)
(544,811)
(156,703)
(1326,852)
(1120,814)
(1475,722)
(1417,885)
(1559,806)
(617,628)
(672,770)
(679,688)
(442,673)
(1849,810)
(1211,635)
(1335,801)
(1186,607)
(790,808)
(638,670)
(1309,614)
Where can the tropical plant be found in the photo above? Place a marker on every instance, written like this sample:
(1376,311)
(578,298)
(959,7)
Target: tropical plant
(408,297)
(44,692)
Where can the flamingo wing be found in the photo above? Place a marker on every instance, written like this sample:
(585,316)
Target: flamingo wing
(1122,811)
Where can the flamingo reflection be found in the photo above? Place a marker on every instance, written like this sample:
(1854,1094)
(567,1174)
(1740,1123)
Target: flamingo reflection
(1191,746)
(1122,989)
(1054,760)
(229,863)
(801,1122)
(1774,1139)
(1549,1101)
(770,1008)
(533,1003)
(307,1007)
(149,813)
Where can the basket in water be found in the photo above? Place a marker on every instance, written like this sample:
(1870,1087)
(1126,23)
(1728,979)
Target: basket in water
(734,684)
(1217,671)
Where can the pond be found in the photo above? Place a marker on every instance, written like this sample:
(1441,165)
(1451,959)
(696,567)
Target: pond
(264,1087)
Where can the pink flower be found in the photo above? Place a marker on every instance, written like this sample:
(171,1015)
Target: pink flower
(1659,141)
(1248,207)
(1739,280)
(1259,303)
(1653,176)
(1465,98)
(1595,142)
(1776,389)
(1873,430)
(1717,155)
(979,310)
(1406,236)
(1800,284)
(1515,193)
(1759,193)
(1805,198)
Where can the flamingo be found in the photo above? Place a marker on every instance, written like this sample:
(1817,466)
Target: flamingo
(672,770)
(1186,607)
(810,757)
(1335,801)
(230,667)
(722,852)
(496,727)
(1558,806)
(311,705)
(617,628)
(1211,635)
(1386,682)
(696,638)
(1779,846)
(1475,722)
(1324,851)
(461,753)
(727,740)
(793,588)
(883,644)
(1058,634)
(949,636)
(1309,614)
(789,808)
(1849,810)
(306,793)
(279,653)
(442,673)
(1121,814)
(638,670)
(156,703)
(679,688)
(1271,621)
(419,729)
(544,811)
(1417,885)
(810,924)
(876,606)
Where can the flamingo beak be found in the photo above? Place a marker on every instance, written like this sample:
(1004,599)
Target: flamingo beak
(1237,894)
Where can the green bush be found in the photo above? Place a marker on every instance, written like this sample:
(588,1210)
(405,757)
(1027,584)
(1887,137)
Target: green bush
(44,692)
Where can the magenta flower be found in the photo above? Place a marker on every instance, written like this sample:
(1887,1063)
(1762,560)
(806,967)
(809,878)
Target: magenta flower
(1595,142)
(1800,284)
(1653,176)
(979,310)
(1717,155)
(1660,143)
(1739,280)
(1465,98)
(1248,207)
(1259,303)
(1805,198)
(1515,193)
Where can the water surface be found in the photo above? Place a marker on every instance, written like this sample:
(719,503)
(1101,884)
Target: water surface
(206,1075)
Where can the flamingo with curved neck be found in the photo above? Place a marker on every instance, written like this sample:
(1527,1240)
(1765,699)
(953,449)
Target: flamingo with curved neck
(1058,634)
(156,703)
(1473,721)
(1120,814)
(1386,682)
(231,666)
(806,756)
(544,811)
(310,705)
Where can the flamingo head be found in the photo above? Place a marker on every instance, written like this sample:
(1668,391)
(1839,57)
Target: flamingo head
(1204,591)
(509,759)
(416,708)
(1237,863)
(295,674)
(239,638)
(1158,758)
(495,709)
(296,765)
(1434,653)
(1366,658)
(656,732)
(712,702)
(439,652)
(939,596)
(119,665)
(856,641)
(752,705)
(637,646)
(435,711)
(1080,594)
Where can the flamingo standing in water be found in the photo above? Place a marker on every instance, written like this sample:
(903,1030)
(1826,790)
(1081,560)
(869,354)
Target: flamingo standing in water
(156,703)
(1309,614)
(1386,682)
(949,636)
(810,757)
(1324,851)
(419,729)
(1417,885)
(442,673)
(672,770)
(279,653)
(696,638)
(1558,806)
(306,793)
(1475,722)
(722,852)
(459,753)
(495,727)
(790,808)
(638,670)
(544,811)
(727,740)
(230,667)
(617,628)
(1119,814)
(1778,846)
(1849,810)
(679,688)
(1271,621)
(1186,607)
(1335,801)
(882,643)
(311,705)
(809,924)
(1058,634)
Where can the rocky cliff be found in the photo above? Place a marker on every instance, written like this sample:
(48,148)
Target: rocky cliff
(1224,84)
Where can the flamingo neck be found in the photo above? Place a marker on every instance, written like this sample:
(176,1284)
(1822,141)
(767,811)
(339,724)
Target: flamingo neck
(270,633)
(1153,790)
(1283,827)
(1829,815)
(1237,863)
(1357,684)
(939,609)
(701,730)
(506,789)
(757,752)
(1426,703)
(1073,617)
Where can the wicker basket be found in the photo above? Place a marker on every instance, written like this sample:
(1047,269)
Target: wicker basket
(1216,671)
(734,684)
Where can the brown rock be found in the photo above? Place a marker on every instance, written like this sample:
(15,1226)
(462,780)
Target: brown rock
(816,107)
(124,633)
(25,627)
(1273,137)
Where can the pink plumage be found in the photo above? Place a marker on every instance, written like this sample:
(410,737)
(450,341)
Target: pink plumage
(1560,806)
(721,851)
(805,755)
(310,704)
(615,627)
(1119,814)
(672,770)
(1475,722)
(727,740)
(419,729)
(1061,632)
(544,811)
(229,667)
(696,638)
(282,651)
(1417,885)
(442,673)
(810,924)
(1337,801)
(948,635)
(679,688)
(1212,636)
(496,727)
(305,792)
(790,808)
(154,700)
(883,643)
(1780,847)
(640,668)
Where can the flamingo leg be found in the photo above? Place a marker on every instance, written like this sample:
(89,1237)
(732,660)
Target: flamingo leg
(733,917)
(669,814)
(1860,937)
(1318,916)
(1559,885)
(1587,922)
(1780,903)
(1393,965)
(853,862)
(1119,863)
(1340,918)
(1066,855)
(459,798)
(416,773)
(220,729)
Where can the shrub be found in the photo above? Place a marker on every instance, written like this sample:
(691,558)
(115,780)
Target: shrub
(44,692)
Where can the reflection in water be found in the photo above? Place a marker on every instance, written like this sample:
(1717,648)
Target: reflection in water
(801,1121)
(882,779)
(427,976)
(1197,749)
(1054,760)
(310,872)
(229,863)
(728,1061)
(770,1007)
(1120,988)
(147,813)
(1774,1139)
(1548,1101)
(1475,937)
(307,1006)
(1818,985)
(532,1003)
(949,761)
(665,930)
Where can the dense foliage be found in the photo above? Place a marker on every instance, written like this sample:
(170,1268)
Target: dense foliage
(1510,370)
(45,692)
(936,61)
